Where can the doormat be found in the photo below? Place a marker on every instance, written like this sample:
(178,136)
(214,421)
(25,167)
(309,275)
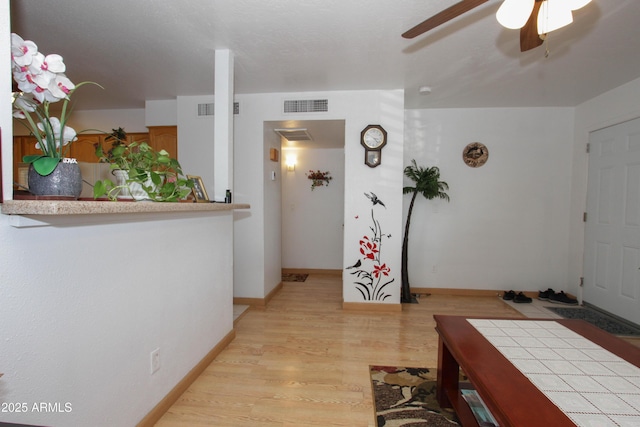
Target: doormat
(294,277)
(407,397)
(599,319)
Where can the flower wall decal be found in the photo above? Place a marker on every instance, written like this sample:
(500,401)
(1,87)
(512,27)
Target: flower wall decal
(372,274)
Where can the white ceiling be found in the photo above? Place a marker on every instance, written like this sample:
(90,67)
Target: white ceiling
(157,49)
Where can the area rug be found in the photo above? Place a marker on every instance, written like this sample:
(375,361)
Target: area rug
(599,319)
(294,277)
(406,397)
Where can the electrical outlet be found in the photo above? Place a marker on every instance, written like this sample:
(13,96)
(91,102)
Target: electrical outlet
(155,361)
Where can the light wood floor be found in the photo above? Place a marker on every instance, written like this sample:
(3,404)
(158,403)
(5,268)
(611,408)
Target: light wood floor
(303,361)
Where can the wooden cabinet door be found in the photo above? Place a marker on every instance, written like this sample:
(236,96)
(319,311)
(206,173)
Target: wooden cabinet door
(84,148)
(164,137)
(138,137)
(22,146)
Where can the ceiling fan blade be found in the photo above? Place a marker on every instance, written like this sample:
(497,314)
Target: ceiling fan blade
(442,17)
(529,37)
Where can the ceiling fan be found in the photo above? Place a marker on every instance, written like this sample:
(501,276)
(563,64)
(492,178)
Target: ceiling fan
(534,18)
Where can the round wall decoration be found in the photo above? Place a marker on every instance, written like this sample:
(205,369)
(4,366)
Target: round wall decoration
(475,154)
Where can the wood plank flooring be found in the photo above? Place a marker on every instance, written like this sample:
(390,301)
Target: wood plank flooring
(303,361)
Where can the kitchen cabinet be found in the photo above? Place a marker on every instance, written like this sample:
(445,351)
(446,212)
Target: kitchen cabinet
(164,137)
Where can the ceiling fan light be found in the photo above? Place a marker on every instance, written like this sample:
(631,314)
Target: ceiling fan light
(513,14)
(577,4)
(553,15)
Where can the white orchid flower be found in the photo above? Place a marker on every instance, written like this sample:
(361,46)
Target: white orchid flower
(41,80)
(23,103)
(46,68)
(35,67)
(22,51)
(60,86)
(53,63)
(68,134)
(25,82)
(43,95)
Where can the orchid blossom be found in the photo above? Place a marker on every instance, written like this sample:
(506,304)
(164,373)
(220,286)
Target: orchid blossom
(22,51)
(42,81)
(53,127)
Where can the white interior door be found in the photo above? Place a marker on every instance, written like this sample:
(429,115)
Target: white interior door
(612,240)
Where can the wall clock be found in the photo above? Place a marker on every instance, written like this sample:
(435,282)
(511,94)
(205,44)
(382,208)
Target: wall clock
(373,138)
(475,154)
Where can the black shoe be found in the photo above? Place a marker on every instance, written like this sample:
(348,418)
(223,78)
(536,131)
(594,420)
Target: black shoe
(508,296)
(546,295)
(562,298)
(522,298)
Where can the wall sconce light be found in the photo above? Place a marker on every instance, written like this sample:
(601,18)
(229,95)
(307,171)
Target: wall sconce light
(291,162)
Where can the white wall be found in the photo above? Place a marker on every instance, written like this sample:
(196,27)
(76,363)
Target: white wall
(506,226)
(254,276)
(195,140)
(312,220)
(272,242)
(85,302)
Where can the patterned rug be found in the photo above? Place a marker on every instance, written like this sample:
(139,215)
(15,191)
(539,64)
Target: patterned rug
(599,319)
(294,277)
(406,397)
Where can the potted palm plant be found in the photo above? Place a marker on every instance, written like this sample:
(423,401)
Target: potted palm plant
(426,182)
(144,174)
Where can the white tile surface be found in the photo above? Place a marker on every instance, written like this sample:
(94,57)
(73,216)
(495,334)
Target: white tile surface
(591,385)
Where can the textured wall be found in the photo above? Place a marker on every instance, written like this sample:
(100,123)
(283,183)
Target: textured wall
(86,300)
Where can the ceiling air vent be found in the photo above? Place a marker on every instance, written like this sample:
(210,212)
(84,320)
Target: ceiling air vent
(294,135)
(306,106)
(208,109)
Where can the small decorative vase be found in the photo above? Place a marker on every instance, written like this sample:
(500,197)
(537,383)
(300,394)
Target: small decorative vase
(133,190)
(65,181)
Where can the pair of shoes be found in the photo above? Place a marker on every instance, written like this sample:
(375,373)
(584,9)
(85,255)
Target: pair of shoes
(522,298)
(546,295)
(508,296)
(562,298)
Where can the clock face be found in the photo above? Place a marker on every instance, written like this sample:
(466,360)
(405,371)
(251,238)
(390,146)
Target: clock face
(373,137)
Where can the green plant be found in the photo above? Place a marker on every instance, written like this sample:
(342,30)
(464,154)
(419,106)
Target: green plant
(117,137)
(156,172)
(427,182)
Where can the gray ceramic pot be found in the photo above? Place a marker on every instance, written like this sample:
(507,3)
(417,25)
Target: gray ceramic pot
(64,181)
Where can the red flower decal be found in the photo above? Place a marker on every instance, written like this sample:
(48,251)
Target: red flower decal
(368,248)
(377,269)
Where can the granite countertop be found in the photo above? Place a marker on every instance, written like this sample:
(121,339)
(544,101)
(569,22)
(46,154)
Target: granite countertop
(85,207)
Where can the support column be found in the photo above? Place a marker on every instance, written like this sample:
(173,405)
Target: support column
(223,121)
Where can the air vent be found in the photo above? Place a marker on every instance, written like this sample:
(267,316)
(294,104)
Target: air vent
(205,109)
(208,109)
(306,106)
(294,135)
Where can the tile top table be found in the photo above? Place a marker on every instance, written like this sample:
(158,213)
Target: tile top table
(539,372)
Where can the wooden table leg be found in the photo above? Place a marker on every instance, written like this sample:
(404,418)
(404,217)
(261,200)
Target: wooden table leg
(448,375)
